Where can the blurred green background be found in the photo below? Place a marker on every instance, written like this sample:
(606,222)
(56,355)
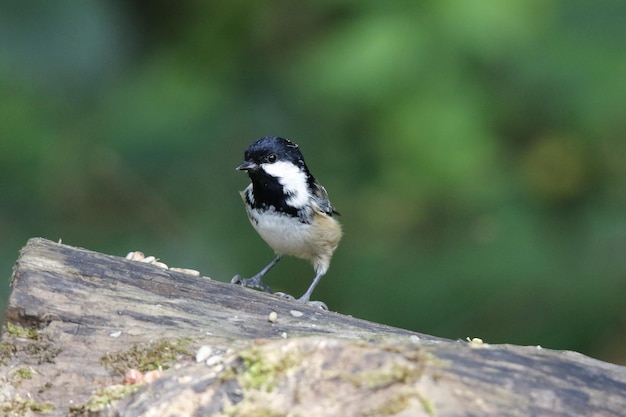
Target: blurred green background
(474,148)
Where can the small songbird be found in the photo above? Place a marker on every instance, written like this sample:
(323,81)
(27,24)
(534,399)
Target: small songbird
(289,209)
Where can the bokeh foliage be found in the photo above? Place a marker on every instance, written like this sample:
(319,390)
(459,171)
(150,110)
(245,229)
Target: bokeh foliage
(475,149)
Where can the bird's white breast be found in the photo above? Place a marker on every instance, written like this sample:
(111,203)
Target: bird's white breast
(285,234)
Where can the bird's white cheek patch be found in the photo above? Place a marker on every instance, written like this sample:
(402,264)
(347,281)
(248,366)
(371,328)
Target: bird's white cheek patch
(293,180)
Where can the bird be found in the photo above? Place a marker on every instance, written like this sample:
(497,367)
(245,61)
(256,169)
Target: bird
(289,209)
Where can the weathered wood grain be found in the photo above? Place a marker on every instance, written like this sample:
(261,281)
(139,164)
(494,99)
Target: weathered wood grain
(70,308)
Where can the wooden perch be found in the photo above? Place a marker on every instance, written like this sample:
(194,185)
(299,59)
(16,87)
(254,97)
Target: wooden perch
(77,321)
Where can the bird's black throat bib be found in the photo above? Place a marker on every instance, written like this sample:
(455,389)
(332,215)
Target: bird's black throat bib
(268,192)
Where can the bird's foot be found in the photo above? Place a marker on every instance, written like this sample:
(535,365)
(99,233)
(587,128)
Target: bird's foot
(318,304)
(285,296)
(253,282)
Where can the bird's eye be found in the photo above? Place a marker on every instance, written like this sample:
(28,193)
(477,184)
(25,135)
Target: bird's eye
(271,158)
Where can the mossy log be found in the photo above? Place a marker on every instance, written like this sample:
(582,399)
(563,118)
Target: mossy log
(78,321)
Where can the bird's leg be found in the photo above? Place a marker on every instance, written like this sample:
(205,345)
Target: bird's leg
(307,295)
(255,281)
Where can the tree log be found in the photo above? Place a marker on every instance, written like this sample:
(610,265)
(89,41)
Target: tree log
(79,323)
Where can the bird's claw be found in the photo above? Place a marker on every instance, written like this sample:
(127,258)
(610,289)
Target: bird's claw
(318,304)
(254,282)
(285,296)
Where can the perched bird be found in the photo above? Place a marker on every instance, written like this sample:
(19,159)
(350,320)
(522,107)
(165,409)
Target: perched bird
(288,208)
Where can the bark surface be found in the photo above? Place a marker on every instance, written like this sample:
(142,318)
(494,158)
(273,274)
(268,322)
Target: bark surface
(78,321)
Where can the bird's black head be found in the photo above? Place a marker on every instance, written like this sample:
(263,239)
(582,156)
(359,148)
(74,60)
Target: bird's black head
(279,176)
(269,150)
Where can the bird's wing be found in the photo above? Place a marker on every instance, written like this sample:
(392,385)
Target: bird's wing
(320,197)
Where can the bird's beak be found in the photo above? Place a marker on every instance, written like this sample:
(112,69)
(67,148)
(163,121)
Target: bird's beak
(246,166)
